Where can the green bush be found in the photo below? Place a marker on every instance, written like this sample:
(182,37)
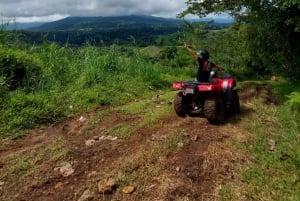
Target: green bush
(242,74)
(26,110)
(19,69)
(3,87)
(294,102)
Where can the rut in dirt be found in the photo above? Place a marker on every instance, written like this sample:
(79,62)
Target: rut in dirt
(183,173)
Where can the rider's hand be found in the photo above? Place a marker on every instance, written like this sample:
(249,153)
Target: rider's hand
(220,68)
(187,46)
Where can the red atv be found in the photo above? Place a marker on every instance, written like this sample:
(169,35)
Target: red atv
(213,99)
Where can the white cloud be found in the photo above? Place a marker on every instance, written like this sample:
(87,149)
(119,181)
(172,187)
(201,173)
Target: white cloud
(47,18)
(49,10)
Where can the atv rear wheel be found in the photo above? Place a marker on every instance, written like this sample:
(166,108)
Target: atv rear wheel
(214,110)
(236,103)
(180,104)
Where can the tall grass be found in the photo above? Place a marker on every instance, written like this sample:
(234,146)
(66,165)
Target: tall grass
(80,79)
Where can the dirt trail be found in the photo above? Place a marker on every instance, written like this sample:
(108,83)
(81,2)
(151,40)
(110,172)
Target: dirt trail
(171,158)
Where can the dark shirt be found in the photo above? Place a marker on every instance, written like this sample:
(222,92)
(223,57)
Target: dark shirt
(204,70)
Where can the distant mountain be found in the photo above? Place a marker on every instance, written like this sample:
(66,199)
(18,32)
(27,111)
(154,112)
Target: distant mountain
(101,23)
(22,26)
(117,22)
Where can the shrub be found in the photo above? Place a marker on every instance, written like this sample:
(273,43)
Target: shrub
(294,101)
(3,87)
(19,69)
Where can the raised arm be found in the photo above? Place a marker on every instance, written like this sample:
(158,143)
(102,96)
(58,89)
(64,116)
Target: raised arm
(219,67)
(191,51)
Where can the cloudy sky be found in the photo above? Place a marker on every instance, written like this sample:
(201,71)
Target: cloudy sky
(49,10)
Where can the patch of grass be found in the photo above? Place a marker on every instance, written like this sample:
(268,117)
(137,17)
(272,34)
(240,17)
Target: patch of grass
(274,132)
(120,130)
(139,169)
(161,108)
(24,162)
(153,108)
(157,113)
(225,193)
(92,123)
(294,101)
(21,166)
(274,171)
(4,143)
(132,169)
(134,108)
(128,178)
(56,150)
(283,88)
(167,147)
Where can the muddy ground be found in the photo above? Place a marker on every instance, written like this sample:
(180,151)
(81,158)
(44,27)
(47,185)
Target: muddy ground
(109,154)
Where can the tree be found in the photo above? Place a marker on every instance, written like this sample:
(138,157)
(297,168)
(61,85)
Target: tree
(168,53)
(271,27)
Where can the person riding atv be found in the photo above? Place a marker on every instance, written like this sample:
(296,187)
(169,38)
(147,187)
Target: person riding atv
(211,96)
(204,66)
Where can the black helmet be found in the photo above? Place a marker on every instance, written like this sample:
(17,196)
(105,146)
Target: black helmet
(204,54)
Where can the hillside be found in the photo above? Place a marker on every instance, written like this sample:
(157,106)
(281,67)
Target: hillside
(143,151)
(143,30)
(23,26)
(106,23)
(142,146)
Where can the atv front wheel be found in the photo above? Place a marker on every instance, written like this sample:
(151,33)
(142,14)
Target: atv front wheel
(180,104)
(214,110)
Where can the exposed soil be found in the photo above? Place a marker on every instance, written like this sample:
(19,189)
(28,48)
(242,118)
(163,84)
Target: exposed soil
(262,91)
(171,158)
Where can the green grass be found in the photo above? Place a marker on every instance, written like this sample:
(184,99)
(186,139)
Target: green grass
(273,173)
(153,108)
(56,150)
(120,130)
(171,144)
(21,166)
(134,108)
